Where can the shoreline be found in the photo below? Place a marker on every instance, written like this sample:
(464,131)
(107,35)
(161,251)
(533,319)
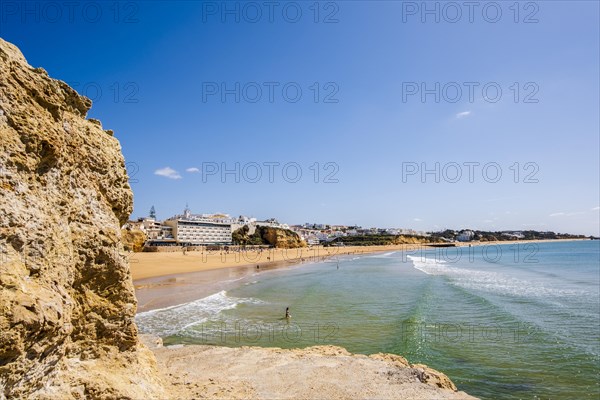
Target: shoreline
(203,275)
(148,265)
(144,265)
(195,275)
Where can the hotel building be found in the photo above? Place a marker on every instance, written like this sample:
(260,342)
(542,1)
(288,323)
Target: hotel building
(201,229)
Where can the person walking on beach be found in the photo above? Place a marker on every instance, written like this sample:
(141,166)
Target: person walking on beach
(287,313)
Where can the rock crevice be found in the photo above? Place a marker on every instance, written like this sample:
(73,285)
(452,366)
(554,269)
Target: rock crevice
(67,303)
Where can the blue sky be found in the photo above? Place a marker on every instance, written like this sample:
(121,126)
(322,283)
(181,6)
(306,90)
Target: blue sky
(156,72)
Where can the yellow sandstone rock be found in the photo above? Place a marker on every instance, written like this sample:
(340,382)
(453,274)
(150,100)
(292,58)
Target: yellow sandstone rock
(67,302)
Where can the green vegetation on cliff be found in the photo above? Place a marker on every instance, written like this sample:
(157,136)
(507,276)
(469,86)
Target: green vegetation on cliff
(381,240)
(490,236)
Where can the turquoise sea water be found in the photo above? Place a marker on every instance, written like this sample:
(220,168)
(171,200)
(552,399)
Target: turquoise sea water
(509,321)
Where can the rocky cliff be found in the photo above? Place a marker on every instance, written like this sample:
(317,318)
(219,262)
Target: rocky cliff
(282,238)
(66,298)
(133,239)
(264,235)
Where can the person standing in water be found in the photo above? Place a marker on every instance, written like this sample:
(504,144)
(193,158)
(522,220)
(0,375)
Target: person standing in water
(287,313)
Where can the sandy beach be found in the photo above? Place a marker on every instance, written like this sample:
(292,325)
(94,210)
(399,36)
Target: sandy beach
(152,265)
(166,279)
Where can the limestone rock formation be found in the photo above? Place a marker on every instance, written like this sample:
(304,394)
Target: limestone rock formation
(133,239)
(318,372)
(264,235)
(67,302)
(282,238)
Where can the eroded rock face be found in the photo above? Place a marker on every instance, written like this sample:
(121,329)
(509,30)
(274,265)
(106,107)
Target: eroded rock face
(318,372)
(282,238)
(67,302)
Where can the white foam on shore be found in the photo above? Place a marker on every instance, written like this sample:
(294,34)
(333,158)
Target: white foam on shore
(428,266)
(491,281)
(384,255)
(171,320)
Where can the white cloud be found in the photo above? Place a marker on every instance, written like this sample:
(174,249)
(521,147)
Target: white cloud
(192,170)
(167,172)
(565,214)
(595,208)
(417,219)
(463,114)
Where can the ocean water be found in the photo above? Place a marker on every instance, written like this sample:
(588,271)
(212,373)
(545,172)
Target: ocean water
(503,322)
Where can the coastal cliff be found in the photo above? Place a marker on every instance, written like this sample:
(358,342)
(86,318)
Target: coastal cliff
(133,240)
(282,238)
(67,303)
(264,235)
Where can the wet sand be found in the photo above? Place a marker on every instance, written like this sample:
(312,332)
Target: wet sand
(169,290)
(167,279)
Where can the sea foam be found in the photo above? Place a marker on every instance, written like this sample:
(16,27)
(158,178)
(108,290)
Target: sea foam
(491,281)
(429,265)
(175,319)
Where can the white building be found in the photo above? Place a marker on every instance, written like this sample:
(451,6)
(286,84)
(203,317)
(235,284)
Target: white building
(465,236)
(151,228)
(272,223)
(514,235)
(312,240)
(201,229)
(242,221)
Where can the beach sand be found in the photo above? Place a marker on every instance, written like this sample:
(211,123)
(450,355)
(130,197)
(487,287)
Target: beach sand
(152,265)
(166,279)
(171,278)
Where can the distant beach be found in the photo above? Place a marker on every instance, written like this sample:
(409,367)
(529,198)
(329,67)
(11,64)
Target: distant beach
(152,265)
(166,279)
(171,278)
